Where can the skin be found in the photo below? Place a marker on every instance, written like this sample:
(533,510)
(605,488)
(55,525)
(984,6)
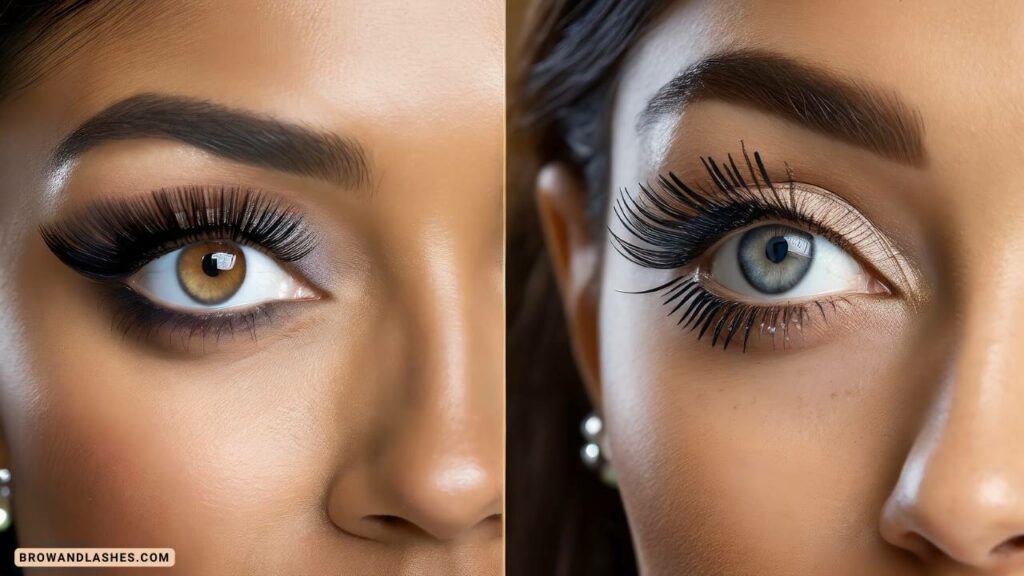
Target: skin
(359,433)
(884,441)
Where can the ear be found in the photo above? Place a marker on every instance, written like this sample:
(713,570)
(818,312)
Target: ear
(575,256)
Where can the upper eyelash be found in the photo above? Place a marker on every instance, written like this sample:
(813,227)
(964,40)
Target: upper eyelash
(678,222)
(112,239)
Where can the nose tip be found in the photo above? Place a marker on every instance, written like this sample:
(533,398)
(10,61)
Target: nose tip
(452,501)
(981,525)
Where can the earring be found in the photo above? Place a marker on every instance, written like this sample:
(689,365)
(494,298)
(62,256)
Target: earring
(595,453)
(5,499)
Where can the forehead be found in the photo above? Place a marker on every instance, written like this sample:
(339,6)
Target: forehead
(302,60)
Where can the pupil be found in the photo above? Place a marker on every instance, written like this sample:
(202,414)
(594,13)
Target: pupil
(775,250)
(210,265)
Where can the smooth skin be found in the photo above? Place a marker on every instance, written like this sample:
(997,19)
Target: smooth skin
(360,433)
(886,442)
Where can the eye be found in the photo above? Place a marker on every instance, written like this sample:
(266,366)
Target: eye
(216,276)
(776,262)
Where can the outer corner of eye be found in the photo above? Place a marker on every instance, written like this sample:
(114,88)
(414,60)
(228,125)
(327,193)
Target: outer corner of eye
(209,276)
(778,262)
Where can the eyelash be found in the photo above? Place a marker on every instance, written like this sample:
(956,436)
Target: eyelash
(110,241)
(678,223)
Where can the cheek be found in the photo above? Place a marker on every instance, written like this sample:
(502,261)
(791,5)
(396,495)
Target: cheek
(748,461)
(123,449)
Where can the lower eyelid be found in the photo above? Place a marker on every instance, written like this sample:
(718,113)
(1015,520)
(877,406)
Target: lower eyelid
(731,324)
(136,317)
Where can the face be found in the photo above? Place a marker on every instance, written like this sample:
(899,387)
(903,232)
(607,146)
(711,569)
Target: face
(863,417)
(253,310)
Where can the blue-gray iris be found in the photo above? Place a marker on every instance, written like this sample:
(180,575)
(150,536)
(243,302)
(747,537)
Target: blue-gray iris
(774,258)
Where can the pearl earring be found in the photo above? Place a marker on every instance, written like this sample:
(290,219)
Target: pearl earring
(595,453)
(5,499)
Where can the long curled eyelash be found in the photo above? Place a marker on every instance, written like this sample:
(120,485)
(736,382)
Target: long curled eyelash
(113,239)
(678,222)
(675,223)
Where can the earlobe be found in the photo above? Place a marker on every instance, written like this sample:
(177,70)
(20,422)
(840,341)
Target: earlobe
(574,247)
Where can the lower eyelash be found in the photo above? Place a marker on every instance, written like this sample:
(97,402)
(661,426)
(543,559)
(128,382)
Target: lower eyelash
(137,317)
(724,320)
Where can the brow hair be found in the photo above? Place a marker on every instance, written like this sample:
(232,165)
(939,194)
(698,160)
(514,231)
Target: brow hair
(842,108)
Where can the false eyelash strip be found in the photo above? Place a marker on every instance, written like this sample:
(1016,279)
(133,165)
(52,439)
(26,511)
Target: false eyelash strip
(113,239)
(677,222)
(723,320)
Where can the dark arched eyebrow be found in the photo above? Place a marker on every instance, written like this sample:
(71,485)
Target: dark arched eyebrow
(815,98)
(230,133)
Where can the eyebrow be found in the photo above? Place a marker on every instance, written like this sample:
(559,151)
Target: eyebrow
(230,133)
(844,109)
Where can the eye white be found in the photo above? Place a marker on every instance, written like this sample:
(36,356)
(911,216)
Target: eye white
(832,271)
(265,281)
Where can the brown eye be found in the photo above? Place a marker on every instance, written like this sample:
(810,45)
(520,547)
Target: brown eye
(211,272)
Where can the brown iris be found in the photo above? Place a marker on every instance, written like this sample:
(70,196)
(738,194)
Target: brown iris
(211,272)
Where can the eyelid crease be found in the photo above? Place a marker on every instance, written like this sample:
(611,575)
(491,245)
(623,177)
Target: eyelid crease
(677,223)
(112,239)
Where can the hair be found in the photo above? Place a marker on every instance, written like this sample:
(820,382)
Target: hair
(37,37)
(562,519)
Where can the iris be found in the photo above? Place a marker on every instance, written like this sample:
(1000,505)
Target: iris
(774,258)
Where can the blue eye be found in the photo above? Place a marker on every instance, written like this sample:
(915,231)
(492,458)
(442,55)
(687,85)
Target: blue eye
(778,262)
(775,258)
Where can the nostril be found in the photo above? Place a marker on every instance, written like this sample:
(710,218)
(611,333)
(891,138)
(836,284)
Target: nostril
(389,523)
(1013,546)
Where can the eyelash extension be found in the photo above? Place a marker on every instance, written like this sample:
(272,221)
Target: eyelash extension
(677,223)
(113,239)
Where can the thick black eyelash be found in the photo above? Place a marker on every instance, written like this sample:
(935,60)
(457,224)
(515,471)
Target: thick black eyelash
(724,320)
(679,222)
(113,239)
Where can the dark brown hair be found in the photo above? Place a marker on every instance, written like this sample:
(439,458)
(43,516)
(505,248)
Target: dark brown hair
(561,519)
(39,36)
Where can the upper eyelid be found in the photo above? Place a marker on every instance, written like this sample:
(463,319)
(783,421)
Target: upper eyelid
(656,216)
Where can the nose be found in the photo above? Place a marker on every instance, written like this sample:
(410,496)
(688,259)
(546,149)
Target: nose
(959,500)
(435,486)
(432,466)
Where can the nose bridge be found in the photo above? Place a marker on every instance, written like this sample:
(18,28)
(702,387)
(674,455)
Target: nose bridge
(962,486)
(444,457)
(435,468)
